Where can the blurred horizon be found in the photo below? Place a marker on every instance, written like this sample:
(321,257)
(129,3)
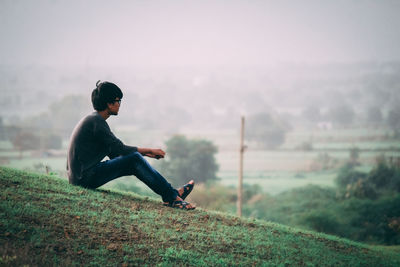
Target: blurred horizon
(297,70)
(192,33)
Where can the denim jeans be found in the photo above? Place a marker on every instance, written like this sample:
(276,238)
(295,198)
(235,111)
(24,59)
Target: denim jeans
(131,164)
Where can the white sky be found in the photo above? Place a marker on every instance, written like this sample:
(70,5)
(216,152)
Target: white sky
(174,32)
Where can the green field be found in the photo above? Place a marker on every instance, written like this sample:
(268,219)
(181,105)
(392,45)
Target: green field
(274,170)
(275,182)
(44,221)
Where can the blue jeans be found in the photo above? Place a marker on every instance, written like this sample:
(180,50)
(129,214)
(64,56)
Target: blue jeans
(131,164)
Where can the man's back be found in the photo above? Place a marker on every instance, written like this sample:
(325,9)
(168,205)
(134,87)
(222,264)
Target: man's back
(85,150)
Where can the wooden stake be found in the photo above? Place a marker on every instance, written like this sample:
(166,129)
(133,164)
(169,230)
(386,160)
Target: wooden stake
(240,186)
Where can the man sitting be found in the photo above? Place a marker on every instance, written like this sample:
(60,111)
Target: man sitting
(92,140)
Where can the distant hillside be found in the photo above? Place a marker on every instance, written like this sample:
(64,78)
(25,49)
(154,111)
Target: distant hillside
(45,221)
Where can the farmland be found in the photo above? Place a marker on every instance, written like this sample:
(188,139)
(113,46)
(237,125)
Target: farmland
(275,171)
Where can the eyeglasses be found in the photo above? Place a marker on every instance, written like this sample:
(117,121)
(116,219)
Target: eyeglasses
(119,101)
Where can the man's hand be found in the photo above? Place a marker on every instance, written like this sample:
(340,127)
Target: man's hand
(152,152)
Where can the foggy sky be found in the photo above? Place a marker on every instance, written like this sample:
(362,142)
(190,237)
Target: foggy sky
(174,32)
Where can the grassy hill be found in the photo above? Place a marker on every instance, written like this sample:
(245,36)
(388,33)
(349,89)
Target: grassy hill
(46,221)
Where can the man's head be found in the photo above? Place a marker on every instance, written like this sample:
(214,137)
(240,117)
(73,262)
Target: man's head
(106,95)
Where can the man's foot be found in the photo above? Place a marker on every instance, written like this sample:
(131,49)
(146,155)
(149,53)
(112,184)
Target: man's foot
(183,205)
(185,190)
(178,203)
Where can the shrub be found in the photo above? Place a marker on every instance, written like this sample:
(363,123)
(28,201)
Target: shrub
(290,207)
(348,176)
(190,159)
(374,220)
(214,197)
(385,176)
(321,221)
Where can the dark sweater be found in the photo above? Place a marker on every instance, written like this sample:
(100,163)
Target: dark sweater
(91,141)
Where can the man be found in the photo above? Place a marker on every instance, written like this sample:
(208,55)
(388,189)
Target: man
(92,140)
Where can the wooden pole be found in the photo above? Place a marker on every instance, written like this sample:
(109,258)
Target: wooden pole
(240,186)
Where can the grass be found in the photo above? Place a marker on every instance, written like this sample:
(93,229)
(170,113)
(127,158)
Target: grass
(45,221)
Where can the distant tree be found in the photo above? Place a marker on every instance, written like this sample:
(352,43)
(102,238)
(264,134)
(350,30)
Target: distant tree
(26,141)
(352,183)
(374,115)
(347,176)
(188,159)
(342,115)
(383,179)
(65,114)
(41,121)
(2,129)
(265,130)
(62,115)
(354,156)
(52,141)
(321,221)
(311,113)
(393,120)
(385,175)
(11,132)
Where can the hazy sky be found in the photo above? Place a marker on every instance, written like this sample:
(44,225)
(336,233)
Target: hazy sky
(202,32)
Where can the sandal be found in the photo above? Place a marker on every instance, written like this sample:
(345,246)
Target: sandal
(178,204)
(187,188)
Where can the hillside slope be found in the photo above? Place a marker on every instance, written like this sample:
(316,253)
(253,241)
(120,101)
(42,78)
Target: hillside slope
(46,221)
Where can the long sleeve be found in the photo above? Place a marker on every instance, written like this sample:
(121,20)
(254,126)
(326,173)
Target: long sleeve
(112,145)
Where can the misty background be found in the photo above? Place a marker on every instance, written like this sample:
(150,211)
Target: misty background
(196,67)
(208,58)
(317,81)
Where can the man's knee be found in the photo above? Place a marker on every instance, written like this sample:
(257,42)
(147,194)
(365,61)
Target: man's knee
(135,156)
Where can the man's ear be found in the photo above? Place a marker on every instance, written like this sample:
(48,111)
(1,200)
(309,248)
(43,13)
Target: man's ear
(107,107)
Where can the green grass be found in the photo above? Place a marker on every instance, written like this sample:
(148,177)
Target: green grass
(44,221)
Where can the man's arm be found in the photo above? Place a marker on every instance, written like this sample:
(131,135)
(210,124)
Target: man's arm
(151,152)
(113,146)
